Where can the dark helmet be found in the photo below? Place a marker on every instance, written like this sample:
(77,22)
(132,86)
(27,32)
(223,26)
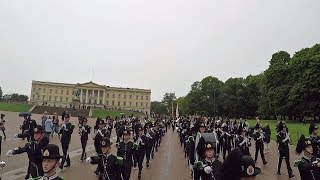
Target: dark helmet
(302,144)
(51,151)
(105,142)
(312,127)
(38,129)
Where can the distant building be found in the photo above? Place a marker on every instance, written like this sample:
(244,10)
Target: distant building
(90,95)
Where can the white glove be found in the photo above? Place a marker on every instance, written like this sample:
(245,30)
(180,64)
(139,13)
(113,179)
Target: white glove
(15,135)
(10,153)
(208,169)
(88,160)
(191,167)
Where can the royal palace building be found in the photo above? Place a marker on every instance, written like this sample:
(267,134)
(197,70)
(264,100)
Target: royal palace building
(90,95)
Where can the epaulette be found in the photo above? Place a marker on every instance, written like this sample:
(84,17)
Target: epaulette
(119,160)
(297,162)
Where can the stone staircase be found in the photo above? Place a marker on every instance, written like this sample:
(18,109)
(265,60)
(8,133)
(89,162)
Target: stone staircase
(59,110)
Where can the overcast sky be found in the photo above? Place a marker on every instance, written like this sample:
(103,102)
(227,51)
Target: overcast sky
(163,45)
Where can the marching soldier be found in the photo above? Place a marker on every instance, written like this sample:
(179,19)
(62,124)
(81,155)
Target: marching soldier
(209,167)
(149,144)
(84,131)
(50,162)
(258,137)
(140,149)
(308,165)
(125,150)
(109,164)
(66,132)
(226,141)
(315,139)
(243,142)
(34,151)
(283,139)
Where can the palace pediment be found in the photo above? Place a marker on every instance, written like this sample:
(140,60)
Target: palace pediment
(91,85)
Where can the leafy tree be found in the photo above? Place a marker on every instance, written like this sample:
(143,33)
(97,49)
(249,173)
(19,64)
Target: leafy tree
(0,94)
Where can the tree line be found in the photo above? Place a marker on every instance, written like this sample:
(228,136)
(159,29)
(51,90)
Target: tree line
(14,97)
(288,89)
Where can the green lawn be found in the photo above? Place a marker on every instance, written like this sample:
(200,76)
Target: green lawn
(15,107)
(296,129)
(104,113)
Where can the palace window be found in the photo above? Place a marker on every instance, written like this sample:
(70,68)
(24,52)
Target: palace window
(60,99)
(146,97)
(141,104)
(56,91)
(112,102)
(67,92)
(49,98)
(50,90)
(61,91)
(130,96)
(39,89)
(137,97)
(107,102)
(118,103)
(136,104)
(125,96)
(119,96)
(124,103)
(44,90)
(55,98)
(146,104)
(107,95)
(130,103)
(113,95)
(67,98)
(141,97)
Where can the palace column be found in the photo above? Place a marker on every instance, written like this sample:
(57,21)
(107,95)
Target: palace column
(81,92)
(87,93)
(98,99)
(104,96)
(92,93)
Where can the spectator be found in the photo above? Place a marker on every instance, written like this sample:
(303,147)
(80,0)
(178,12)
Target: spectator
(44,118)
(55,121)
(49,127)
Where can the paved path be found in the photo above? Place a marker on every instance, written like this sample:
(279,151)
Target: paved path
(169,162)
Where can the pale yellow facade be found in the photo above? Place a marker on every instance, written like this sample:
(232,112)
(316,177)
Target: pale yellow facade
(90,94)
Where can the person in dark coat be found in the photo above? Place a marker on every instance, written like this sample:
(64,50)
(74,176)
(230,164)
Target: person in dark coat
(109,164)
(308,165)
(34,150)
(84,131)
(66,132)
(315,139)
(258,137)
(125,150)
(243,142)
(209,168)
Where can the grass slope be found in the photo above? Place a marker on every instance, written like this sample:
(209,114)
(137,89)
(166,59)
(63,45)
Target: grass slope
(15,107)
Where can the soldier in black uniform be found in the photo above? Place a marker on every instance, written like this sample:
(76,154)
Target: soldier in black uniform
(109,164)
(84,131)
(226,141)
(149,144)
(125,150)
(34,151)
(283,139)
(315,139)
(50,162)
(258,137)
(209,168)
(66,132)
(139,149)
(239,167)
(243,142)
(308,165)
